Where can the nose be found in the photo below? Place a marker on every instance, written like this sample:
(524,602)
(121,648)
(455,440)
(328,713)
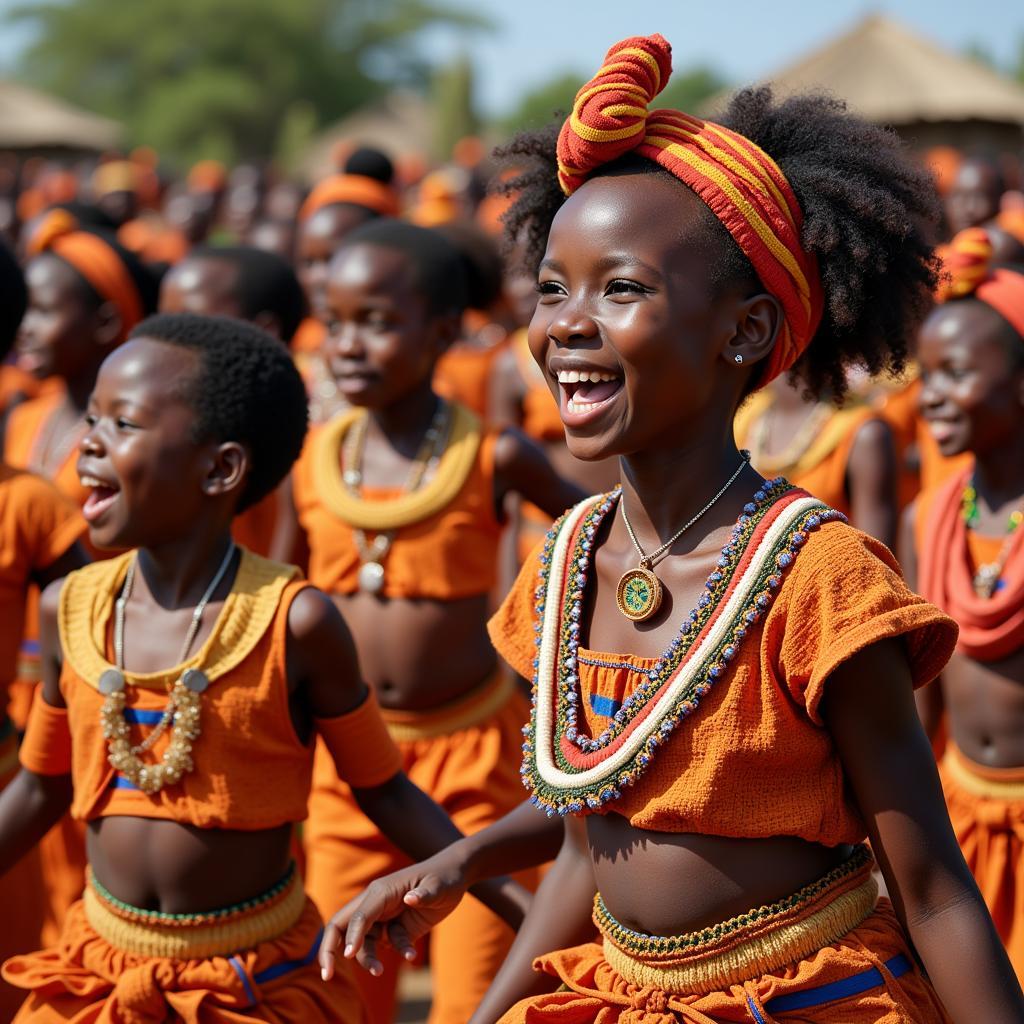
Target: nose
(345,341)
(91,444)
(571,323)
(932,391)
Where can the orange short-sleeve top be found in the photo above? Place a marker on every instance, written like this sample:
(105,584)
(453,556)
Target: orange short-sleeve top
(37,527)
(251,770)
(448,555)
(722,735)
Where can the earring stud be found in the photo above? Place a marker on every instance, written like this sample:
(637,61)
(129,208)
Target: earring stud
(738,357)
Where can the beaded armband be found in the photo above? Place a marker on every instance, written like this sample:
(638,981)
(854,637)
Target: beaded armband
(569,772)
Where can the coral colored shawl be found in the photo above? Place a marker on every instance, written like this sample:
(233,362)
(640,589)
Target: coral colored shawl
(990,628)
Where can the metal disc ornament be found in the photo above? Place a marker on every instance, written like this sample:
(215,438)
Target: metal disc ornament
(112,681)
(195,679)
(638,594)
(371,577)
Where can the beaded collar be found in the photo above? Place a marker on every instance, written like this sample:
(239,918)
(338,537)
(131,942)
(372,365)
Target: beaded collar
(569,772)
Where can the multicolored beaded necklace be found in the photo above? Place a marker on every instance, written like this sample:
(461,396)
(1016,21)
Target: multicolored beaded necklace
(986,578)
(569,772)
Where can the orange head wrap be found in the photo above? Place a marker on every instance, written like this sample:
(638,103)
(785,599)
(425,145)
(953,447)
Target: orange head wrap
(357,189)
(740,183)
(207,176)
(968,273)
(95,259)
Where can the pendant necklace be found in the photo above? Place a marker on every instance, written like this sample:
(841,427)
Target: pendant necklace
(372,553)
(639,592)
(986,578)
(183,705)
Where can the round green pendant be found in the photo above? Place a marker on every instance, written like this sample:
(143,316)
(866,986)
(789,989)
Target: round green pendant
(638,594)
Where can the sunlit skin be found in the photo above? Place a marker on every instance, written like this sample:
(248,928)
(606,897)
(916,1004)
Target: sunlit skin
(974,201)
(972,399)
(318,241)
(155,486)
(381,346)
(201,285)
(276,236)
(626,289)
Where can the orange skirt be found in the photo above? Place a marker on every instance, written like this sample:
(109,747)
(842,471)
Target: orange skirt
(104,970)
(831,953)
(986,807)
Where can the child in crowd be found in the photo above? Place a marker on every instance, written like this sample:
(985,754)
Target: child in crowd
(963,543)
(250,284)
(38,544)
(183,684)
(719,769)
(400,501)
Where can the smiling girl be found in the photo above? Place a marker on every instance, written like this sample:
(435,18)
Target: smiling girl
(723,669)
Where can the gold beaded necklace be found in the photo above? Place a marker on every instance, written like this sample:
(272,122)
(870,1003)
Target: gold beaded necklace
(183,705)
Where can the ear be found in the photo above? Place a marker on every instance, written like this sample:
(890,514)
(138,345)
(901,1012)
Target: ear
(757,325)
(270,322)
(109,326)
(227,469)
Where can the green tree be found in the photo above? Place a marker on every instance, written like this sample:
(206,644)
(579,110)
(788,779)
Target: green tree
(225,77)
(537,107)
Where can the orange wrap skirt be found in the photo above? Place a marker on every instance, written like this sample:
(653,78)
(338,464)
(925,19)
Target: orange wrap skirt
(110,967)
(466,756)
(832,953)
(986,807)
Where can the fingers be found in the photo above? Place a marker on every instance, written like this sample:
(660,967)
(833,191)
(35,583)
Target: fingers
(359,926)
(367,955)
(400,941)
(329,949)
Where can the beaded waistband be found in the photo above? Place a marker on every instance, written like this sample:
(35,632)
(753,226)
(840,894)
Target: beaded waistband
(980,779)
(462,713)
(194,936)
(753,944)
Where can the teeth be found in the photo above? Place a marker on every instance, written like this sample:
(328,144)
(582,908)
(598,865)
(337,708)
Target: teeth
(93,482)
(583,376)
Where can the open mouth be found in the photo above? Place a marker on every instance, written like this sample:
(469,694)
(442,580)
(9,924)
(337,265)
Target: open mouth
(585,392)
(101,496)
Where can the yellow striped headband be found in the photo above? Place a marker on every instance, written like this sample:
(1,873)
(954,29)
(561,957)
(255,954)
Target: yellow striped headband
(740,183)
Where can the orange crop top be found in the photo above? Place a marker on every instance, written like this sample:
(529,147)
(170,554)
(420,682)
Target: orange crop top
(251,770)
(37,527)
(449,555)
(748,755)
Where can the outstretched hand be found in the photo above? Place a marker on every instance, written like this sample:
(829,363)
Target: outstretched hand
(398,909)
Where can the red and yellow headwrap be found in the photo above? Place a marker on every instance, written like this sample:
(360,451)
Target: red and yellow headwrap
(97,261)
(967,273)
(740,183)
(357,189)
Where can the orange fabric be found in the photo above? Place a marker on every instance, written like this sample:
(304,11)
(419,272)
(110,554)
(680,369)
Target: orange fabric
(740,183)
(308,337)
(463,374)
(473,774)
(990,831)
(46,748)
(357,189)
(37,527)
(360,746)
(15,386)
(450,555)
(826,479)
(990,628)
(251,770)
(755,759)
(86,979)
(254,528)
(967,262)
(207,176)
(541,418)
(899,408)
(594,993)
(105,271)
(1012,222)
(22,895)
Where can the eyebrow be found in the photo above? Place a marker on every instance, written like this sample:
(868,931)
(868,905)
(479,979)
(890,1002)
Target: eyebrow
(610,261)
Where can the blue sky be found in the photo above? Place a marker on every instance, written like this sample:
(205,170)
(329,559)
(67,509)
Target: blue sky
(745,39)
